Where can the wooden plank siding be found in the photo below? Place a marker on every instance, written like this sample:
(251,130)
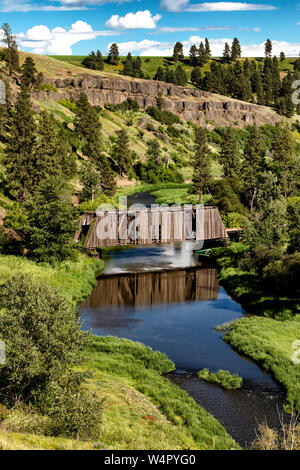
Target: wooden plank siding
(151,226)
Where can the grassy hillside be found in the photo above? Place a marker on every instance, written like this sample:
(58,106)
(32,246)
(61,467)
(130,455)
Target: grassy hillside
(151,64)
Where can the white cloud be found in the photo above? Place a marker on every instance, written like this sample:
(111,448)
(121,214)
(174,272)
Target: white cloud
(156,48)
(184,5)
(58,41)
(55,5)
(257,29)
(168,29)
(138,20)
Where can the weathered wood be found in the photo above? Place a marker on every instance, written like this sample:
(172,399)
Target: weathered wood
(149,226)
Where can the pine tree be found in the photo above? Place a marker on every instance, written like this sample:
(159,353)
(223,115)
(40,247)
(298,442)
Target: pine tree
(236,51)
(52,222)
(94,61)
(153,152)
(160,75)
(170,75)
(90,179)
(282,56)
(178,52)
(253,164)
(229,155)
(181,78)
(99,61)
(196,77)
(207,50)
(227,54)
(201,54)
(121,153)
(18,160)
(137,67)
(202,177)
(113,55)
(268,48)
(88,128)
(29,73)
(51,151)
(284,158)
(160,101)
(193,55)
(11,55)
(128,66)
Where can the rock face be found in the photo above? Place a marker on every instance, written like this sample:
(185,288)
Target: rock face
(201,107)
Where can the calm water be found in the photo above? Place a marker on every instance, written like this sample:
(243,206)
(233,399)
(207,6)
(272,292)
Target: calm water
(166,298)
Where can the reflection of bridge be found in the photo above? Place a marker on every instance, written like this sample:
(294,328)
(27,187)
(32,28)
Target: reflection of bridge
(155,288)
(150,226)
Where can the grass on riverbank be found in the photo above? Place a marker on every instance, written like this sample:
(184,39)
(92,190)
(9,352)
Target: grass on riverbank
(149,412)
(223,378)
(75,279)
(247,289)
(270,344)
(140,408)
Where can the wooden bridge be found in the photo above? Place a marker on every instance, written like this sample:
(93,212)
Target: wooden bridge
(145,226)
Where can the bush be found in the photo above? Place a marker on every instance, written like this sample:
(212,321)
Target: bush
(74,411)
(223,378)
(42,334)
(68,104)
(165,117)
(47,87)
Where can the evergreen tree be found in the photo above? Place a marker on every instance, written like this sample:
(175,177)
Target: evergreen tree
(160,101)
(282,56)
(51,151)
(11,55)
(227,54)
(52,222)
(196,77)
(113,55)
(29,73)
(193,55)
(268,48)
(90,179)
(128,66)
(207,50)
(88,128)
(178,52)
(201,54)
(202,177)
(137,68)
(284,158)
(18,160)
(121,153)
(94,61)
(229,155)
(160,75)
(181,78)
(236,51)
(153,152)
(170,75)
(253,165)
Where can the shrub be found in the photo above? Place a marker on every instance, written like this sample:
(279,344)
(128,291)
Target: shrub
(223,378)
(68,104)
(75,412)
(47,87)
(42,334)
(165,117)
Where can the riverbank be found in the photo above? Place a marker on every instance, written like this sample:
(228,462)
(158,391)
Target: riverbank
(141,408)
(269,336)
(272,345)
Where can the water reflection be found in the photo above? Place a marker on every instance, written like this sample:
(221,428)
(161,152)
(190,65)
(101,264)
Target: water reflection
(155,288)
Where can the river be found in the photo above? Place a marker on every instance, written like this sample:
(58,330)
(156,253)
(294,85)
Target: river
(168,298)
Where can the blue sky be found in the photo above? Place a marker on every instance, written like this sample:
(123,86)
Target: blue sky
(151,27)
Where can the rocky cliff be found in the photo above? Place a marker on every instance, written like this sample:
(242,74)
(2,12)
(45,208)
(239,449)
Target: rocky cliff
(200,107)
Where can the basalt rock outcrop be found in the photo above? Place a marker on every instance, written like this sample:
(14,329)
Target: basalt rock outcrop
(201,107)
